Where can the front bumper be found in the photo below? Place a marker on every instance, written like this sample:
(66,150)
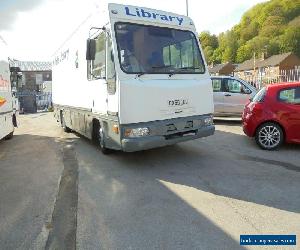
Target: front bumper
(163,138)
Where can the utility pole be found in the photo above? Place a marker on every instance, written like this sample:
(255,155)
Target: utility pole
(254,68)
(187,7)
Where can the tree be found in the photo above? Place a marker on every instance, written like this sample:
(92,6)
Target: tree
(208,53)
(207,39)
(270,27)
(290,41)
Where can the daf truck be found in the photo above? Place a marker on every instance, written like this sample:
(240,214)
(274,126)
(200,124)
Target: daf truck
(7,114)
(133,79)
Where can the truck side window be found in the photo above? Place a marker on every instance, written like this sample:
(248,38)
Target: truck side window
(111,72)
(96,68)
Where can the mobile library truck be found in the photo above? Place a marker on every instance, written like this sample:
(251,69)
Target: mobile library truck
(133,79)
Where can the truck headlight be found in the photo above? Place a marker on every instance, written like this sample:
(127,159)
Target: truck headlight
(137,132)
(209,121)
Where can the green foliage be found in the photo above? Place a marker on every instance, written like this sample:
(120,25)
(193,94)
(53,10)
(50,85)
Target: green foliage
(271,27)
(209,43)
(290,40)
(208,40)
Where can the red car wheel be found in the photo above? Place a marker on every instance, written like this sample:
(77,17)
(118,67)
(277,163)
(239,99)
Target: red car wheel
(269,136)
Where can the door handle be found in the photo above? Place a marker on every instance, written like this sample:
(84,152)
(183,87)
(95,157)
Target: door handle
(227,95)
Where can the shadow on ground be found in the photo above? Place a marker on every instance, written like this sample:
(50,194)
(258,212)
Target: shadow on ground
(126,196)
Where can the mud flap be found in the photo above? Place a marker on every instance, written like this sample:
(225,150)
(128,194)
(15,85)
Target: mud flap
(14,120)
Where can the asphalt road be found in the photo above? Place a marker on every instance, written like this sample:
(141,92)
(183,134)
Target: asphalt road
(59,192)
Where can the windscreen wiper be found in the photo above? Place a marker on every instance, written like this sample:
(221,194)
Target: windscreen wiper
(171,73)
(140,74)
(162,67)
(189,68)
(165,67)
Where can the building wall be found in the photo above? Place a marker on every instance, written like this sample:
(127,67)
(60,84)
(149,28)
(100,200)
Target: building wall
(291,62)
(246,75)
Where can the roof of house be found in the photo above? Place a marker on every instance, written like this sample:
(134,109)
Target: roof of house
(31,65)
(218,67)
(271,61)
(246,65)
(274,60)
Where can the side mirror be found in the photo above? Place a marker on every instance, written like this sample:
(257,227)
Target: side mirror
(90,49)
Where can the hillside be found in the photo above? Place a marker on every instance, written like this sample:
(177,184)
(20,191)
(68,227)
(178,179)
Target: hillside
(271,28)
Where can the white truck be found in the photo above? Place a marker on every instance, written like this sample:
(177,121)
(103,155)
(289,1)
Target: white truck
(133,79)
(7,114)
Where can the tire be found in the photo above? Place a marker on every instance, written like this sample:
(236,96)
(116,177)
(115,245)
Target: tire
(63,124)
(9,136)
(269,136)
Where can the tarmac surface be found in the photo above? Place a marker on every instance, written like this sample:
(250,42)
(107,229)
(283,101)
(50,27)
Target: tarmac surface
(59,192)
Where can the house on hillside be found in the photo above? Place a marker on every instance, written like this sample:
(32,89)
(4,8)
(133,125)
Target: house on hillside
(246,70)
(32,83)
(222,69)
(282,67)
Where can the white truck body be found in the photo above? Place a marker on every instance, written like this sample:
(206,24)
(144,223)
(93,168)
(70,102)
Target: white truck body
(148,80)
(6,99)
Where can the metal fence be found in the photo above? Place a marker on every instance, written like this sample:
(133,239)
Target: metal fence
(264,78)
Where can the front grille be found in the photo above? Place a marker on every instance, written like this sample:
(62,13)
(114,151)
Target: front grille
(189,124)
(180,134)
(171,128)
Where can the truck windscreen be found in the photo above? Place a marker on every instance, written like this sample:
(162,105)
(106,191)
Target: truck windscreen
(157,50)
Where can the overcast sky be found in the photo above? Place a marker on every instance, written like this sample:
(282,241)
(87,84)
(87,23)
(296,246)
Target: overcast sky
(34,29)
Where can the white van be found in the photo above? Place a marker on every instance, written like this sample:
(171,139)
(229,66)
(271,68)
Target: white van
(7,115)
(133,79)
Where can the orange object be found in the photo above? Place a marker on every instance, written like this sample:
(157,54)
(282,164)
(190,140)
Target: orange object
(2,101)
(116,129)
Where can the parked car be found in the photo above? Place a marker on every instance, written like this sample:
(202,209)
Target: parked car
(273,115)
(231,95)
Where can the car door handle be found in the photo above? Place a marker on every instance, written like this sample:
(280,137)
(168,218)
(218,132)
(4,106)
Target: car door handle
(227,95)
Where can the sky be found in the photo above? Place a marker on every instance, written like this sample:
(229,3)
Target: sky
(34,29)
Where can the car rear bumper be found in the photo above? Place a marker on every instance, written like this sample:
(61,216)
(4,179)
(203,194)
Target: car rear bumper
(249,125)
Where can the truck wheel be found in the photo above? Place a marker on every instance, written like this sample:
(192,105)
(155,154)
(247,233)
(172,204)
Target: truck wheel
(63,123)
(269,136)
(101,142)
(9,136)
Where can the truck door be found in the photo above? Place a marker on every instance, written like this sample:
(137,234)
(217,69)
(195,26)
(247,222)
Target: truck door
(97,76)
(112,101)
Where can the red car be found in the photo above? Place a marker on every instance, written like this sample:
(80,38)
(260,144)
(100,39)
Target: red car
(273,115)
